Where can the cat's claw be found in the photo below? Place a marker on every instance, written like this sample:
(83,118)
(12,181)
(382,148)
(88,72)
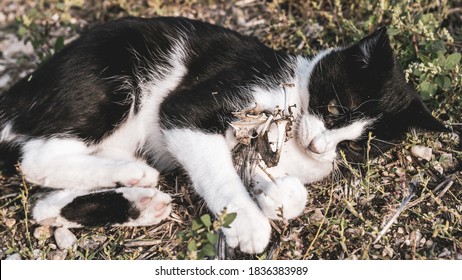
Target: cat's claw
(283,199)
(250,231)
(136,174)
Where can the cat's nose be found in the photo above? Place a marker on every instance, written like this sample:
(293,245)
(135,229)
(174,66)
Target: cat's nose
(318,145)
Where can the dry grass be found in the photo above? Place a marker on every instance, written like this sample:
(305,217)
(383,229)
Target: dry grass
(345,213)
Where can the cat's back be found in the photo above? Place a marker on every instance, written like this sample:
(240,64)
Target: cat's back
(88,87)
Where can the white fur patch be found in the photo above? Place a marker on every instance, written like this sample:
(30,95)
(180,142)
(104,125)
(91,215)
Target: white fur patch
(70,164)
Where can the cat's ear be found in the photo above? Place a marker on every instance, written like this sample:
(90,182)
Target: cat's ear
(374,51)
(418,116)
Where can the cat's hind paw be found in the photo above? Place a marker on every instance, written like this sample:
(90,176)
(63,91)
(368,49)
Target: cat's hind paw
(283,199)
(153,205)
(127,206)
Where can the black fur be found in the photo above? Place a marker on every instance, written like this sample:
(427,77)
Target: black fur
(373,88)
(101,208)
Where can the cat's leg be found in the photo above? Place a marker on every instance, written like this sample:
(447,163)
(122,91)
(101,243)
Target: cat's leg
(207,159)
(134,206)
(71,164)
(282,199)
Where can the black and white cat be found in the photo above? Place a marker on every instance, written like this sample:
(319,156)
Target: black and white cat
(135,97)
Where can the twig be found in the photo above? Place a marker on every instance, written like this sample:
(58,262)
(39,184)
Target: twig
(445,189)
(395,217)
(422,198)
(454,10)
(8,196)
(24,197)
(141,243)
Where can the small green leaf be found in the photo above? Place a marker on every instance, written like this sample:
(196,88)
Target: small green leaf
(423,57)
(22,31)
(212,238)
(181,256)
(393,31)
(208,250)
(423,77)
(427,90)
(206,220)
(441,61)
(444,82)
(452,60)
(196,225)
(59,44)
(436,46)
(192,246)
(230,217)
(60,6)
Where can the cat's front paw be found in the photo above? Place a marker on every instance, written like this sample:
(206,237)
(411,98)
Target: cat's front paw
(283,199)
(250,231)
(135,174)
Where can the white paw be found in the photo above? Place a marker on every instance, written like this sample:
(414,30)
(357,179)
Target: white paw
(135,174)
(284,199)
(250,230)
(153,205)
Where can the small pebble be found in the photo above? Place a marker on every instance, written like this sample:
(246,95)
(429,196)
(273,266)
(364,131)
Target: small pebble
(14,257)
(4,80)
(423,241)
(43,232)
(64,238)
(387,251)
(438,167)
(37,253)
(317,215)
(422,152)
(444,253)
(437,145)
(10,223)
(57,255)
(92,243)
(455,138)
(418,236)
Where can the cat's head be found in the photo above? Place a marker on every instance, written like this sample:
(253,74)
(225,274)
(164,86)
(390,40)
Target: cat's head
(357,90)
